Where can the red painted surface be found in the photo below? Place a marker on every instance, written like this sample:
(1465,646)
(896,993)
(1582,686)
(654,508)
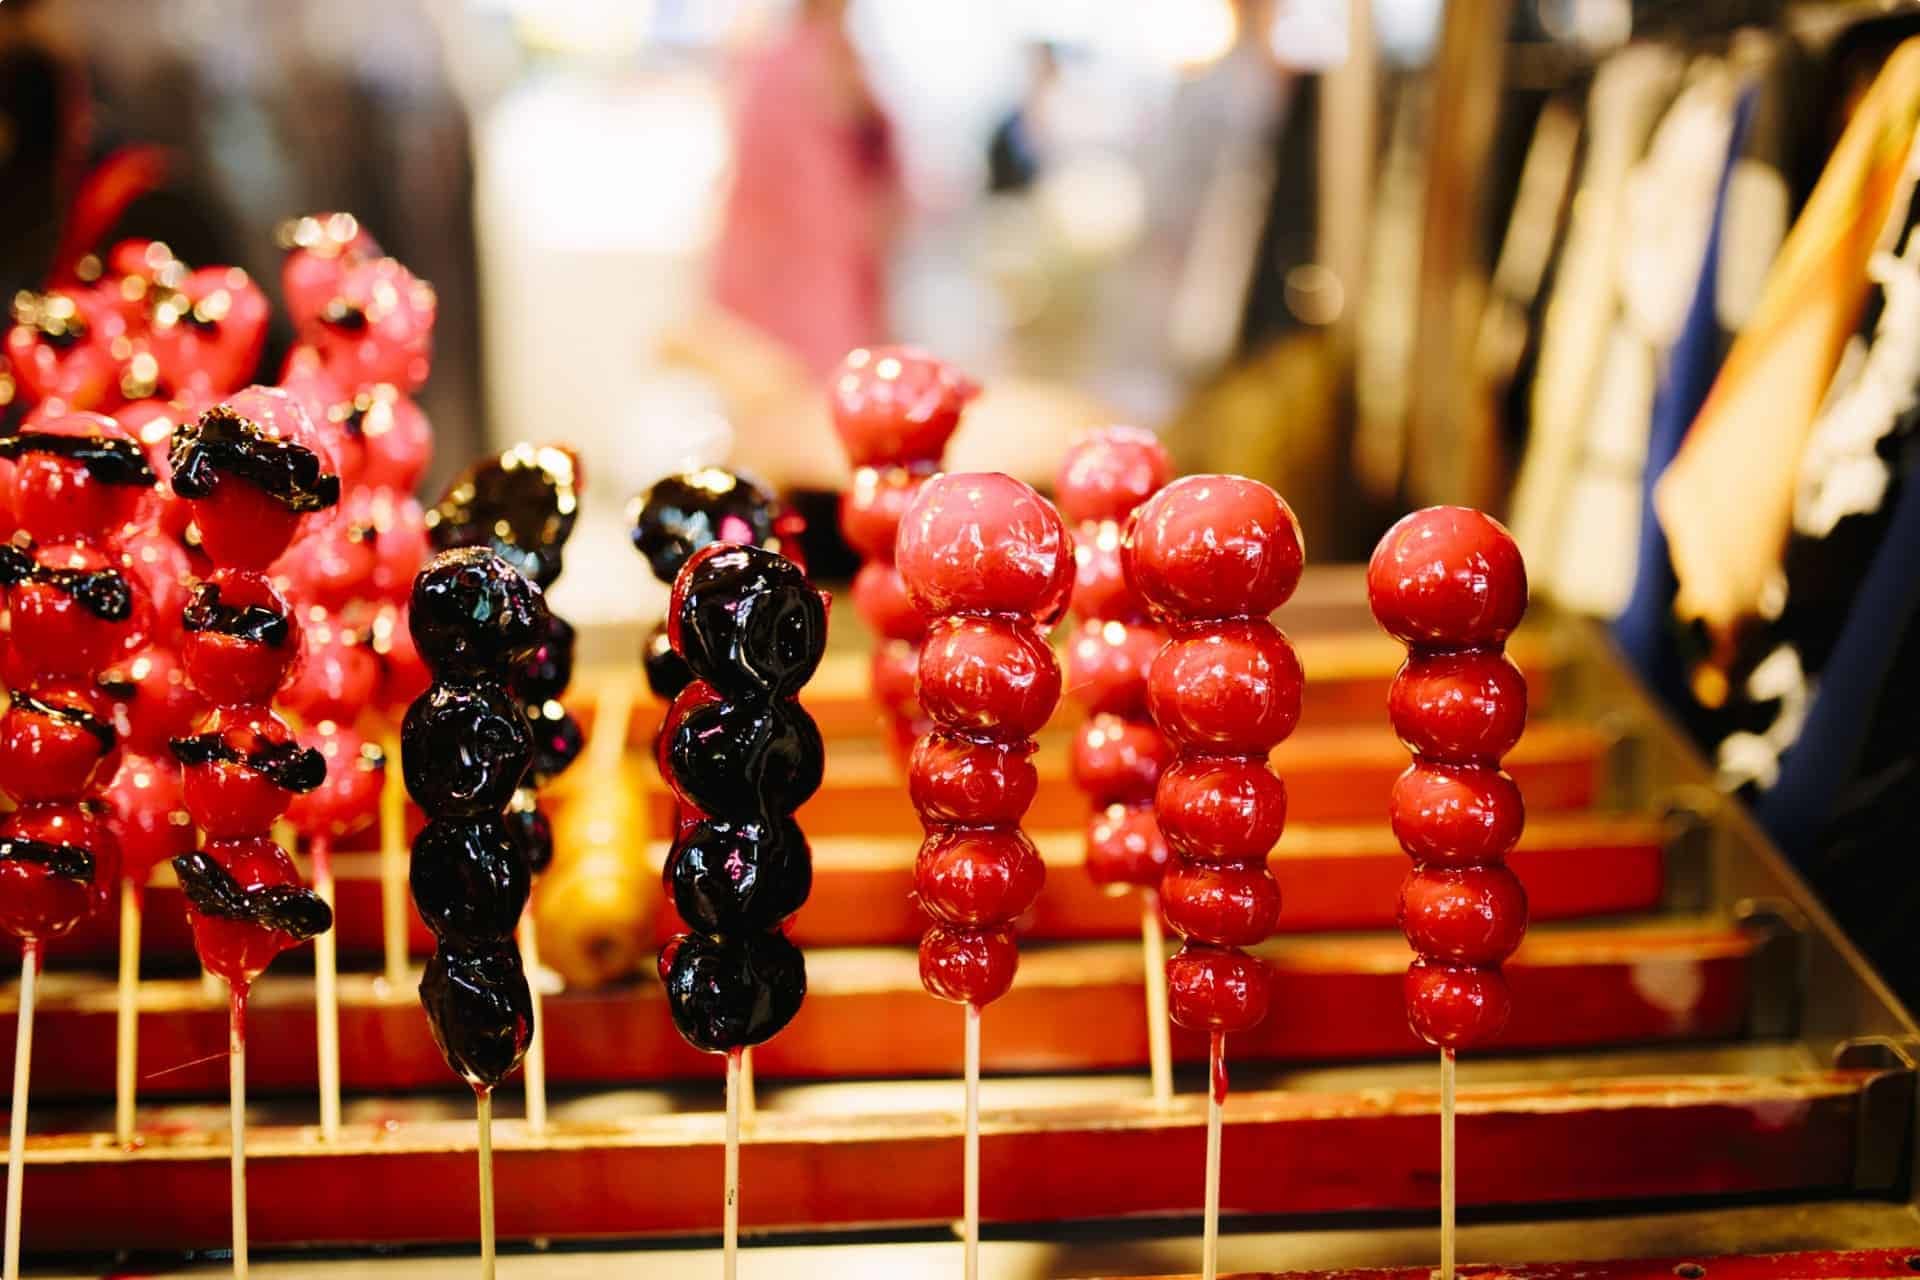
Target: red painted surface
(1283,1153)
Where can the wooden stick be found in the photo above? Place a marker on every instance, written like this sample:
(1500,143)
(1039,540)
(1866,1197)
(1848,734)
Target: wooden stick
(730,1229)
(237,1108)
(536,1060)
(126,1043)
(1216,1100)
(483,1113)
(970,1227)
(326,994)
(1159,1034)
(1447,1165)
(393,865)
(17,1128)
(749,1096)
(613,716)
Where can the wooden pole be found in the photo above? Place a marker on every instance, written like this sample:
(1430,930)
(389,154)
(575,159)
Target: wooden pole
(17,1127)
(730,1231)
(1216,1100)
(970,1227)
(126,1044)
(393,866)
(1448,1191)
(536,1061)
(326,995)
(237,1115)
(483,1113)
(1159,1032)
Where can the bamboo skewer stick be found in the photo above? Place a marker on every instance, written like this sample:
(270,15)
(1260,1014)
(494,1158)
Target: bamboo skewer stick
(393,866)
(730,1231)
(536,1060)
(1159,1032)
(326,995)
(483,1115)
(1216,1100)
(17,1126)
(237,1109)
(126,1041)
(1448,1189)
(970,1227)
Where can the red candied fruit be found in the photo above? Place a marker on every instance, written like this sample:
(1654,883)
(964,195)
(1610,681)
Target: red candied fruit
(1215,546)
(968,966)
(993,676)
(62,346)
(56,498)
(230,798)
(349,800)
(1456,1006)
(378,327)
(880,598)
(150,699)
(51,743)
(960,781)
(1232,687)
(55,631)
(238,950)
(1107,665)
(1100,586)
(1469,915)
(896,404)
(37,904)
(148,815)
(985,543)
(1218,988)
(1110,471)
(396,436)
(1456,815)
(1118,760)
(1464,707)
(894,670)
(1447,577)
(1221,809)
(241,669)
(1227,906)
(872,508)
(977,876)
(242,525)
(1125,847)
(339,675)
(208,332)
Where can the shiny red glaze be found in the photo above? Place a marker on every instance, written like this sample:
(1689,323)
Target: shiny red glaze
(396,438)
(1107,665)
(57,499)
(1116,760)
(329,407)
(1464,707)
(1469,915)
(896,404)
(1125,847)
(157,566)
(880,598)
(235,950)
(83,373)
(985,543)
(348,802)
(1232,687)
(330,566)
(404,674)
(340,675)
(241,525)
(1456,1006)
(873,506)
(1227,906)
(147,814)
(894,670)
(398,525)
(36,905)
(1456,815)
(1217,988)
(1215,547)
(1110,471)
(978,876)
(227,799)
(1100,586)
(232,670)
(314,267)
(968,966)
(150,700)
(1447,577)
(49,757)
(1221,809)
(960,781)
(133,268)
(52,633)
(990,676)
(388,335)
(207,334)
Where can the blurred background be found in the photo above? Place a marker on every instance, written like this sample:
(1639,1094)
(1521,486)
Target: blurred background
(1634,275)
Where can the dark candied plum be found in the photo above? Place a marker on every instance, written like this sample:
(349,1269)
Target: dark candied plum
(480,1010)
(683,513)
(470,881)
(557,741)
(464,749)
(729,878)
(473,616)
(530,828)
(547,672)
(748,621)
(667,671)
(733,994)
(741,760)
(520,504)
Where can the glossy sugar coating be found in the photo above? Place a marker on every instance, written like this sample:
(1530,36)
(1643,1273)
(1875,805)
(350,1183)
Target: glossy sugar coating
(253,472)
(1212,556)
(681,514)
(741,754)
(894,409)
(465,747)
(1450,584)
(69,344)
(73,480)
(990,564)
(521,504)
(1118,753)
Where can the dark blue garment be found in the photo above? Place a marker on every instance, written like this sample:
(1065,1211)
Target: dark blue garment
(1645,630)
